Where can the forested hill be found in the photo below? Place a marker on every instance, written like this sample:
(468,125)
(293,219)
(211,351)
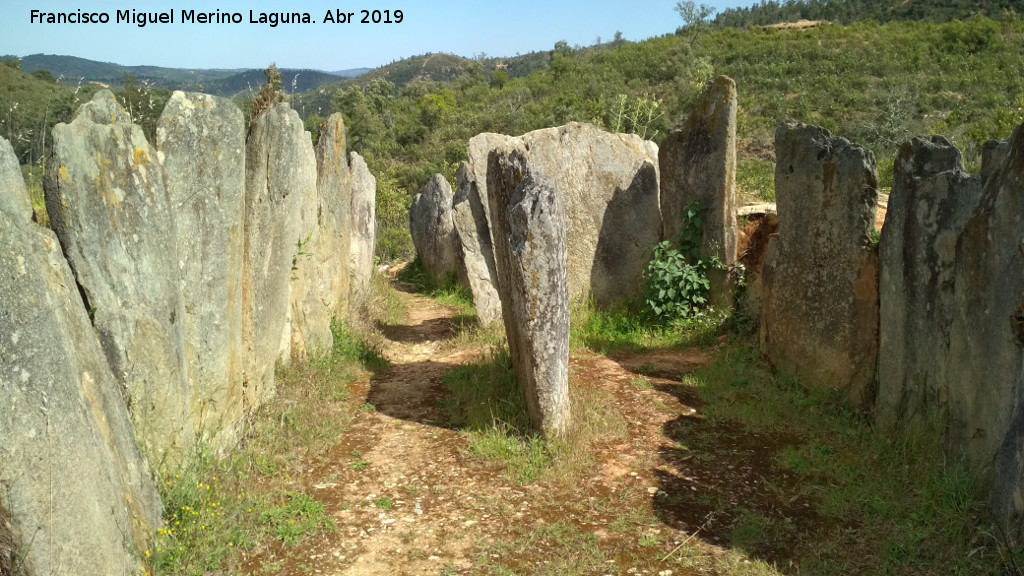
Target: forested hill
(848,11)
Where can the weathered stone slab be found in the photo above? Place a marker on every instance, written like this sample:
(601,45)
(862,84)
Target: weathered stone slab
(819,315)
(986,338)
(201,146)
(364,227)
(14,198)
(276,165)
(474,232)
(698,162)
(107,203)
(532,264)
(609,189)
(433,230)
(932,198)
(310,309)
(328,252)
(76,489)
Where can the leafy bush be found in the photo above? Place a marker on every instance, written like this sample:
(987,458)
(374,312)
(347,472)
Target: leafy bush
(676,279)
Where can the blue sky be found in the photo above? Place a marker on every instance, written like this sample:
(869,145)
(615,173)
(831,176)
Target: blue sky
(463,27)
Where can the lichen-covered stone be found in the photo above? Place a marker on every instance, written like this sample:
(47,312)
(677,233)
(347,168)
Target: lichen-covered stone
(608,185)
(986,338)
(276,180)
(932,198)
(364,227)
(698,162)
(819,316)
(201,146)
(76,491)
(532,265)
(107,202)
(433,230)
(14,198)
(474,232)
(311,309)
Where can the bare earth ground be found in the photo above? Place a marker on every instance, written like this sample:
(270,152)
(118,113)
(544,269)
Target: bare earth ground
(645,500)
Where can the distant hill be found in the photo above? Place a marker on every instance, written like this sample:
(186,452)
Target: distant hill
(849,11)
(71,70)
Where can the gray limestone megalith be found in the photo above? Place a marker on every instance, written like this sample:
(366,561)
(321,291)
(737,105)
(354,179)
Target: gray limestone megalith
(433,230)
(474,232)
(698,162)
(986,338)
(108,205)
(77,493)
(364,228)
(310,309)
(531,255)
(932,198)
(819,316)
(608,185)
(201,146)
(275,187)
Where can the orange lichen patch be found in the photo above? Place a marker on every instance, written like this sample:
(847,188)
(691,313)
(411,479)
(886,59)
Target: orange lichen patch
(141,158)
(63,173)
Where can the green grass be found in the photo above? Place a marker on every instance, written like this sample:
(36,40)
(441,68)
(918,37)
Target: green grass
(891,501)
(216,505)
(486,404)
(447,292)
(627,329)
(755,180)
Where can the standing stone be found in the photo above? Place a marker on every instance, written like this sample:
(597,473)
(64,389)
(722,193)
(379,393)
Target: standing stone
(276,183)
(532,264)
(330,255)
(364,228)
(698,162)
(932,198)
(474,234)
(986,339)
(820,311)
(310,308)
(76,490)
(201,146)
(608,185)
(433,230)
(107,203)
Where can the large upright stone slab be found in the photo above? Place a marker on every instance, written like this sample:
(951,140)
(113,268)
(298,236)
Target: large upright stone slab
(327,259)
(698,162)
(310,306)
(275,186)
(819,315)
(474,232)
(932,198)
(986,338)
(108,205)
(76,490)
(201,145)
(532,264)
(608,185)
(433,230)
(364,227)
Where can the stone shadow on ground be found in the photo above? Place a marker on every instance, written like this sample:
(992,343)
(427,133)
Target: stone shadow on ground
(412,392)
(720,478)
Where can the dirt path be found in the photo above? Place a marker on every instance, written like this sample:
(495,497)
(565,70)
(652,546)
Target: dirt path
(408,498)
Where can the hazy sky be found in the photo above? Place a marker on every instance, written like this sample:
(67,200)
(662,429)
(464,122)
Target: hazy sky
(463,27)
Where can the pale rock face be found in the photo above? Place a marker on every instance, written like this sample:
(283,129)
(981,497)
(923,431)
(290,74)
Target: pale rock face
(932,198)
(819,316)
(105,188)
(608,185)
(364,227)
(65,431)
(532,265)
(201,146)
(433,230)
(698,162)
(280,171)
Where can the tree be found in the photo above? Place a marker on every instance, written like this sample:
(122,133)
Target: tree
(694,18)
(498,79)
